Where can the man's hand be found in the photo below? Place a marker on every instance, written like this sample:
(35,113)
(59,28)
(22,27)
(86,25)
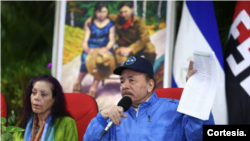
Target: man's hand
(190,70)
(125,51)
(114,113)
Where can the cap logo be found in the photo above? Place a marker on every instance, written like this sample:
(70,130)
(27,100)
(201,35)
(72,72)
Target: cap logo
(130,60)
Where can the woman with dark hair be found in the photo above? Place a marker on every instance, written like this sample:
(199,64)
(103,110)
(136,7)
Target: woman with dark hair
(45,116)
(99,34)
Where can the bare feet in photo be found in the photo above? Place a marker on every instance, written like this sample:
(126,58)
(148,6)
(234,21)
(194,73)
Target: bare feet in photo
(92,91)
(77,88)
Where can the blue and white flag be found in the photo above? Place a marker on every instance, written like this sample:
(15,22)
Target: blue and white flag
(198,31)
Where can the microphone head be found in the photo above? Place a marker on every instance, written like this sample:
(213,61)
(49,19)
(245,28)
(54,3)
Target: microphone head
(125,103)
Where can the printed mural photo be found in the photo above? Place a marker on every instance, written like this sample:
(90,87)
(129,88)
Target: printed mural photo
(100,36)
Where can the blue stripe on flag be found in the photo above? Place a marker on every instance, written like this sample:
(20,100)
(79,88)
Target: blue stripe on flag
(174,85)
(208,25)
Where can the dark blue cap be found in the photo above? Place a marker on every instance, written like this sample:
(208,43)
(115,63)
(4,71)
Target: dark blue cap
(137,64)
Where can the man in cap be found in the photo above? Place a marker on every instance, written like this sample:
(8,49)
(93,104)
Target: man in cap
(149,117)
(133,34)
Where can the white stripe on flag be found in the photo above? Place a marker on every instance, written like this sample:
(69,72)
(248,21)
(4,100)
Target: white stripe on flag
(190,38)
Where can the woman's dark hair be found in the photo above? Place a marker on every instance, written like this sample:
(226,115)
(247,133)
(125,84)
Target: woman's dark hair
(125,3)
(59,106)
(98,6)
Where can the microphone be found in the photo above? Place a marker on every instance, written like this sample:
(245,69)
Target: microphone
(124,103)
